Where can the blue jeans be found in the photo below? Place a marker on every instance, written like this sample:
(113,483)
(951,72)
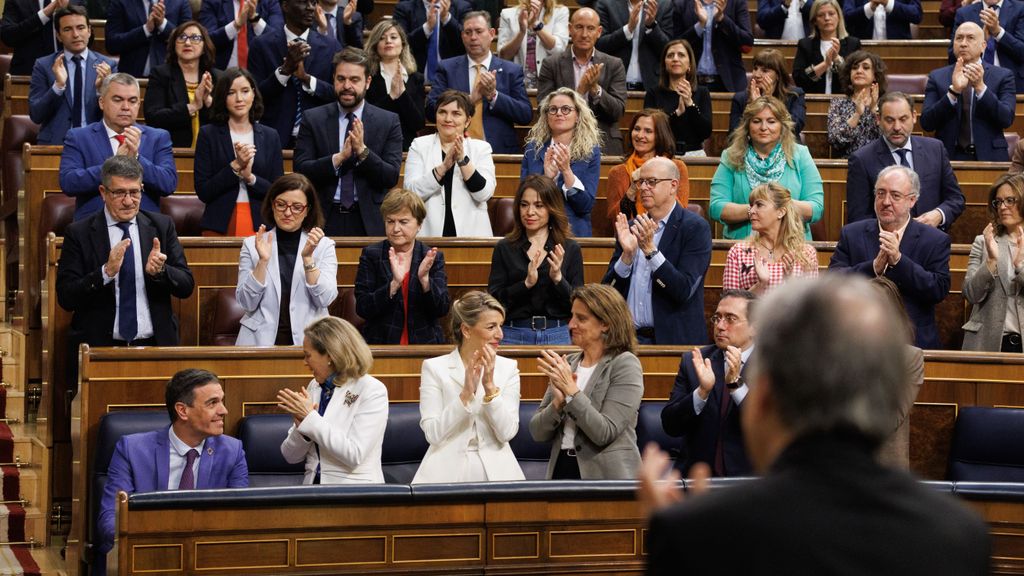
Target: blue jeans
(529,336)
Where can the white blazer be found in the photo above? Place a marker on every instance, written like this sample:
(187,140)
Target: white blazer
(449,426)
(468,208)
(350,434)
(262,302)
(508,28)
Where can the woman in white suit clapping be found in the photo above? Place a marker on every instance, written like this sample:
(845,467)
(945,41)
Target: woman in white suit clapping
(469,400)
(287,275)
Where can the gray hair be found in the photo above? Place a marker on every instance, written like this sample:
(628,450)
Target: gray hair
(915,180)
(122,167)
(833,352)
(122,78)
(669,167)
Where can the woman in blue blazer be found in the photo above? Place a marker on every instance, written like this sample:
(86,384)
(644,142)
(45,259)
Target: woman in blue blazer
(565,145)
(236,158)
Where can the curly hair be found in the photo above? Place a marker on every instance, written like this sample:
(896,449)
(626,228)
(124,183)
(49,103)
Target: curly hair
(735,154)
(856,58)
(586,134)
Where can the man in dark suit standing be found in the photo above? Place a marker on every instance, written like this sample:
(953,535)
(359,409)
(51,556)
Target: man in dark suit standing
(137,31)
(773,16)
(719,31)
(941,201)
(62,92)
(341,22)
(637,32)
(914,256)
(293,68)
(710,387)
(1003,23)
(881,19)
(25,28)
(970,103)
(598,77)
(660,260)
(119,268)
(829,373)
(351,178)
(434,28)
(494,85)
(234,25)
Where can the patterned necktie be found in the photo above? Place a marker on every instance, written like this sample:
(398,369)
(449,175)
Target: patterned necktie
(903,156)
(433,51)
(332,29)
(243,41)
(348,189)
(476,123)
(127,320)
(78,92)
(188,478)
(531,58)
(966,136)
(297,84)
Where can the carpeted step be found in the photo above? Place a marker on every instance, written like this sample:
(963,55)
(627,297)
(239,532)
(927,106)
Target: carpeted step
(17,561)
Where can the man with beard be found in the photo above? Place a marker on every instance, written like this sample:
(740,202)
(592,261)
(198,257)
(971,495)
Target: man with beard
(351,178)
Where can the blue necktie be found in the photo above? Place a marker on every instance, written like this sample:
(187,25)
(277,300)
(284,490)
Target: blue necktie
(326,392)
(77,92)
(990,47)
(298,102)
(188,478)
(127,321)
(903,156)
(348,189)
(433,49)
(332,29)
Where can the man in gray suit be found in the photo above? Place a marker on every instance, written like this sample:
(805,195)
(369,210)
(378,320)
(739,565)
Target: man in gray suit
(637,33)
(600,78)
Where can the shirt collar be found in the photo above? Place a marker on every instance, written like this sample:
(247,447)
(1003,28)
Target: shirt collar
(586,62)
(111,221)
(901,231)
(179,445)
(358,111)
(289,35)
(110,131)
(745,355)
(486,62)
(893,149)
(68,56)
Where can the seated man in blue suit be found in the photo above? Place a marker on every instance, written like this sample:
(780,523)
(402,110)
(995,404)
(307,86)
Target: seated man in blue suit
(970,103)
(709,390)
(192,454)
(62,94)
(941,201)
(437,22)
(1004,26)
(497,91)
(914,256)
(87,147)
(881,19)
(230,25)
(660,260)
(293,68)
(139,36)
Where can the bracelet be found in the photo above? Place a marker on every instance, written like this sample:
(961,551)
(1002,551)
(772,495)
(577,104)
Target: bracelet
(309,267)
(492,395)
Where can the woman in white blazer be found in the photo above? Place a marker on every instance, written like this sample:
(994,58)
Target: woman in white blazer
(548,26)
(340,417)
(294,259)
(469,400)
(453,174)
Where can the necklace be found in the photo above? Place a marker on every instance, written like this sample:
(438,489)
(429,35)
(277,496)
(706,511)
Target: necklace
(769,249)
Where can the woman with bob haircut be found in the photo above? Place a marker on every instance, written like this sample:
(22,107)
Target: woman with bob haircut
(770,78)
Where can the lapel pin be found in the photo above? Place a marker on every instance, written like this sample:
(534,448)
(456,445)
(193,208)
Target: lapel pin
(209,451)
(350,398)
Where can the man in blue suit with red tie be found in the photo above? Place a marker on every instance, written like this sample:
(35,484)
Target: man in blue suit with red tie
(1003,23)
(137,31)
(497,88)
(192,454)
(232,23)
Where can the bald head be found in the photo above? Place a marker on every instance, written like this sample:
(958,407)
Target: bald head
(584,30)
(657,183)
(969,42)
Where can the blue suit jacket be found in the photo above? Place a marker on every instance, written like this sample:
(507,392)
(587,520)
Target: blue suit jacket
(922,274)
(385,316)
(939,187)
(412,16)
(140,464)
(993,112)
(52,111)
(85,150)
(730,38)
(579,205)
(771,17)
(897,23)
(215,15)
(700,432)
(677,286)
(127,38)
(1010,49)
(266,54)
(511,107)
(216,183)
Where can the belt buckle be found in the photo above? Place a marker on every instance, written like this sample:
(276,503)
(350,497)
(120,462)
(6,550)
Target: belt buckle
(1014,339)
(571,452)
(533,322)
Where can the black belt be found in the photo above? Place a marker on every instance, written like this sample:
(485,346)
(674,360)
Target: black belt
(1011,343)
(636,86)
(537,323)
(151,341)
(337,207)
(707,78)
(646,332)
(571,452)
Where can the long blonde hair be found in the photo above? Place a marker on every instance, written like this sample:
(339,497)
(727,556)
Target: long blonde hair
(405,58)
(791,239)
(735,154)
(549,8)
(586,135)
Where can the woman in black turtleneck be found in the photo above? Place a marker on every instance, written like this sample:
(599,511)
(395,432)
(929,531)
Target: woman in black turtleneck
(286,276)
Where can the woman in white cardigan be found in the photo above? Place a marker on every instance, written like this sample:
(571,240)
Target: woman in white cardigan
(543,22)
(453,174)
(469,400)
(293,259)
(340,417)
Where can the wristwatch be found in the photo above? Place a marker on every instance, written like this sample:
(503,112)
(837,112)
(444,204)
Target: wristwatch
(464,161)
(653,253)
(255,18)
(737,384)
(538,26)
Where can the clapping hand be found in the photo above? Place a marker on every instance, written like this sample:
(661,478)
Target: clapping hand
(312,241)
(536,256)
(658,485)
(423,273)
(130,146)
(298,404)
(560,377)
(155,261)
(685,92)
(643,229)
(626,239)
(555,258)
(264,243)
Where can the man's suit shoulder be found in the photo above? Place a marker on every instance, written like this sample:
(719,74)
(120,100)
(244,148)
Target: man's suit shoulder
(380,114)
(930,234)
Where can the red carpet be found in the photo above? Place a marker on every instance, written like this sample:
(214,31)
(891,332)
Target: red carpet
(14,560)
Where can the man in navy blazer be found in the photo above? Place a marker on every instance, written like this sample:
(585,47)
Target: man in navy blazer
(501,90)
(293,68)
(709,390)
(914,256)
(993,104)
(26,29)
(412,15)
(1004,25)
(342,22)
(898,16)
(87,147)
(941,201)
(731,36)
(370,157)
(223,20)
(52,99)
(660,260)
(139,35)
(772,16)
(193,453)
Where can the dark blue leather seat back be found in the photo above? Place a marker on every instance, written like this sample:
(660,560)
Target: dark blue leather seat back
(649,429)
(404,443)
(533,456)
(986,445)
(261,436)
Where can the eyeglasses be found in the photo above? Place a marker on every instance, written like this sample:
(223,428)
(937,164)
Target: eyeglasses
(650,182)
(1008,202)
(121,194)
(193,38)
(894,196)
(730,319)
(282,207)
(563,110)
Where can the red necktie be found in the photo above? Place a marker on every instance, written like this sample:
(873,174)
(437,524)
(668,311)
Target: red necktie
(119,138)
(243,41)
(405,307)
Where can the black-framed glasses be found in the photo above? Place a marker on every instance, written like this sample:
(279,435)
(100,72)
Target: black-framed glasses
(563,110)
(193,38)
(282,207)
(651,182)
(1008,202)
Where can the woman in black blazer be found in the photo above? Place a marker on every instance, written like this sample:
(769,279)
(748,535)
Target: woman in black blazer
(811,71)
(237,159)
(687,103)
(179,95)
(395,85)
